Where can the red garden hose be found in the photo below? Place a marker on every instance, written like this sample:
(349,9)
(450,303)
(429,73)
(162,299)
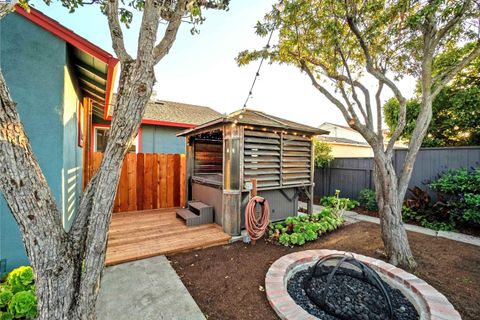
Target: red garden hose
(256,227)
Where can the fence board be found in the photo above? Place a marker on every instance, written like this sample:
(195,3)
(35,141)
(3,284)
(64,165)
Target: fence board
(163,180)
(148,182)
(170,180)
(183,172)
(123,187)
(140,181)
(131,159)
(351,175)
(155,182)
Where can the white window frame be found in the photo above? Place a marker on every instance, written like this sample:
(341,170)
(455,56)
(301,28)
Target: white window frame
(95,130)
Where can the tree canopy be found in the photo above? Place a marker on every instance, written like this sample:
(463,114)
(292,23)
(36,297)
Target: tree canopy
(455,110)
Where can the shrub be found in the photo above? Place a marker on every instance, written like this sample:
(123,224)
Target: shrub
(426,220)
(461,190)
(368,200)
(322,154)
(300,229)
(17,295)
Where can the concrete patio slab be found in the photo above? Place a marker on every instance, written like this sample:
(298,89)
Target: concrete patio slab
(145,289)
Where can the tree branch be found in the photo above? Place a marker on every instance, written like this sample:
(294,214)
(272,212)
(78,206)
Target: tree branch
(442,80)
(164,46)
(7,7)
(384,79)
(352,122)
(450,24)
(116,32)
(379,110)
(366,115)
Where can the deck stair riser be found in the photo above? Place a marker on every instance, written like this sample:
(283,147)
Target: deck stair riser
(198,213)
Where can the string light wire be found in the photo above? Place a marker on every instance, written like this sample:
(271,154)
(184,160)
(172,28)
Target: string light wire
(258,71)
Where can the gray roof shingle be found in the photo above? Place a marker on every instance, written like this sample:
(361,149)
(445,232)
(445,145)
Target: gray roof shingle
(161,110)
(259,118)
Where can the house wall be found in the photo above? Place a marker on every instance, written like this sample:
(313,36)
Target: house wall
(350,151)
(340,132)
(33,63)
(72,153)
(159,139)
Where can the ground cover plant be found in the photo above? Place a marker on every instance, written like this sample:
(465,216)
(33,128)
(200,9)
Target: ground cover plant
(17,295)
(303,228)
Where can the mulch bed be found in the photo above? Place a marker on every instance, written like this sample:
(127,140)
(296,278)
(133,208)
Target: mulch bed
(227,282)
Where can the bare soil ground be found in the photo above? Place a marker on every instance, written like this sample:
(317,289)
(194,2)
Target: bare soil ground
(227,282)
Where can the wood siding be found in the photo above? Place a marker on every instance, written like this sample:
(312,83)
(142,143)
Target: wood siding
(149,181)
(208,157)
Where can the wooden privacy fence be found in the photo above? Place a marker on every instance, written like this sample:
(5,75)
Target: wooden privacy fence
(149,181)
(351,175)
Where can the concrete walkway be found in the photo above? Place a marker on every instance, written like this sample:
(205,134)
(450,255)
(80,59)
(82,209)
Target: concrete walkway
(353,217)
(147,289)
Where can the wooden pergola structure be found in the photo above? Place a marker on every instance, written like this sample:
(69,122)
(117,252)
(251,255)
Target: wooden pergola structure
(225,155)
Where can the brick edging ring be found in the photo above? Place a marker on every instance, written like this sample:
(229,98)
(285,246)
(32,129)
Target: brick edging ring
(430,303)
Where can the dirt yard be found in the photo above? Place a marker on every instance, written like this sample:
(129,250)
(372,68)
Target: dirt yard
(228,282)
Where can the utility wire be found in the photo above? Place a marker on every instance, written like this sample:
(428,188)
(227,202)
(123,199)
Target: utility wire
(258,71)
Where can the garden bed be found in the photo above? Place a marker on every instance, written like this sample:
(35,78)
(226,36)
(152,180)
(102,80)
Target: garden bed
(228,282)
(472,231)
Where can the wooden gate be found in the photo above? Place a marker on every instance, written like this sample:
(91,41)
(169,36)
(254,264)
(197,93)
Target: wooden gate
(149,181)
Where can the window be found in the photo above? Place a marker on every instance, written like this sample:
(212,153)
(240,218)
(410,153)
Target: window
(100,140)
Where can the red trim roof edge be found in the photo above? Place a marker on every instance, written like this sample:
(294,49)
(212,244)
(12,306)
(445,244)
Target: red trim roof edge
(77,41)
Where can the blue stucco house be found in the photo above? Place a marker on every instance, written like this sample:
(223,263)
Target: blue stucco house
(58,79)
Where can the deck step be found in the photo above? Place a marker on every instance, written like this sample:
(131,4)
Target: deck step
(198,205)
(197,213)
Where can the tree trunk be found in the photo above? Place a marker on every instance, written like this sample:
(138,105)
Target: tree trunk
(389,203)
(68,267)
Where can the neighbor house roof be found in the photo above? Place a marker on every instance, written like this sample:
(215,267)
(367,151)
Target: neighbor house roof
(342,141)
(259,119)
(329,124)
(176,114)
(94,67)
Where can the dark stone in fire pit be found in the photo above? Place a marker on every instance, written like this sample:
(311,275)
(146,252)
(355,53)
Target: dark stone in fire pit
(350,297)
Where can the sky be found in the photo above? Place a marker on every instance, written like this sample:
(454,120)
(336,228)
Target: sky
(201,69)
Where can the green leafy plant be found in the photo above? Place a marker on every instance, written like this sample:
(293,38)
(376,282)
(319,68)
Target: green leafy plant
(20,279)
(300,229)
(461,190)
(323,154)
(17,295)
(23,305)
(368,200)
(337,202)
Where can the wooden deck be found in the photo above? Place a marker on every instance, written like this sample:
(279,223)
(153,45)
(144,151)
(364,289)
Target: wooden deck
(143,234)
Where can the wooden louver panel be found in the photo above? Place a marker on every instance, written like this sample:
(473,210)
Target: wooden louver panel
(277,160)
(262,158)
(296,166)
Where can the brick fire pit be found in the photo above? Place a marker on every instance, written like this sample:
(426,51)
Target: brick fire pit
(429,303)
